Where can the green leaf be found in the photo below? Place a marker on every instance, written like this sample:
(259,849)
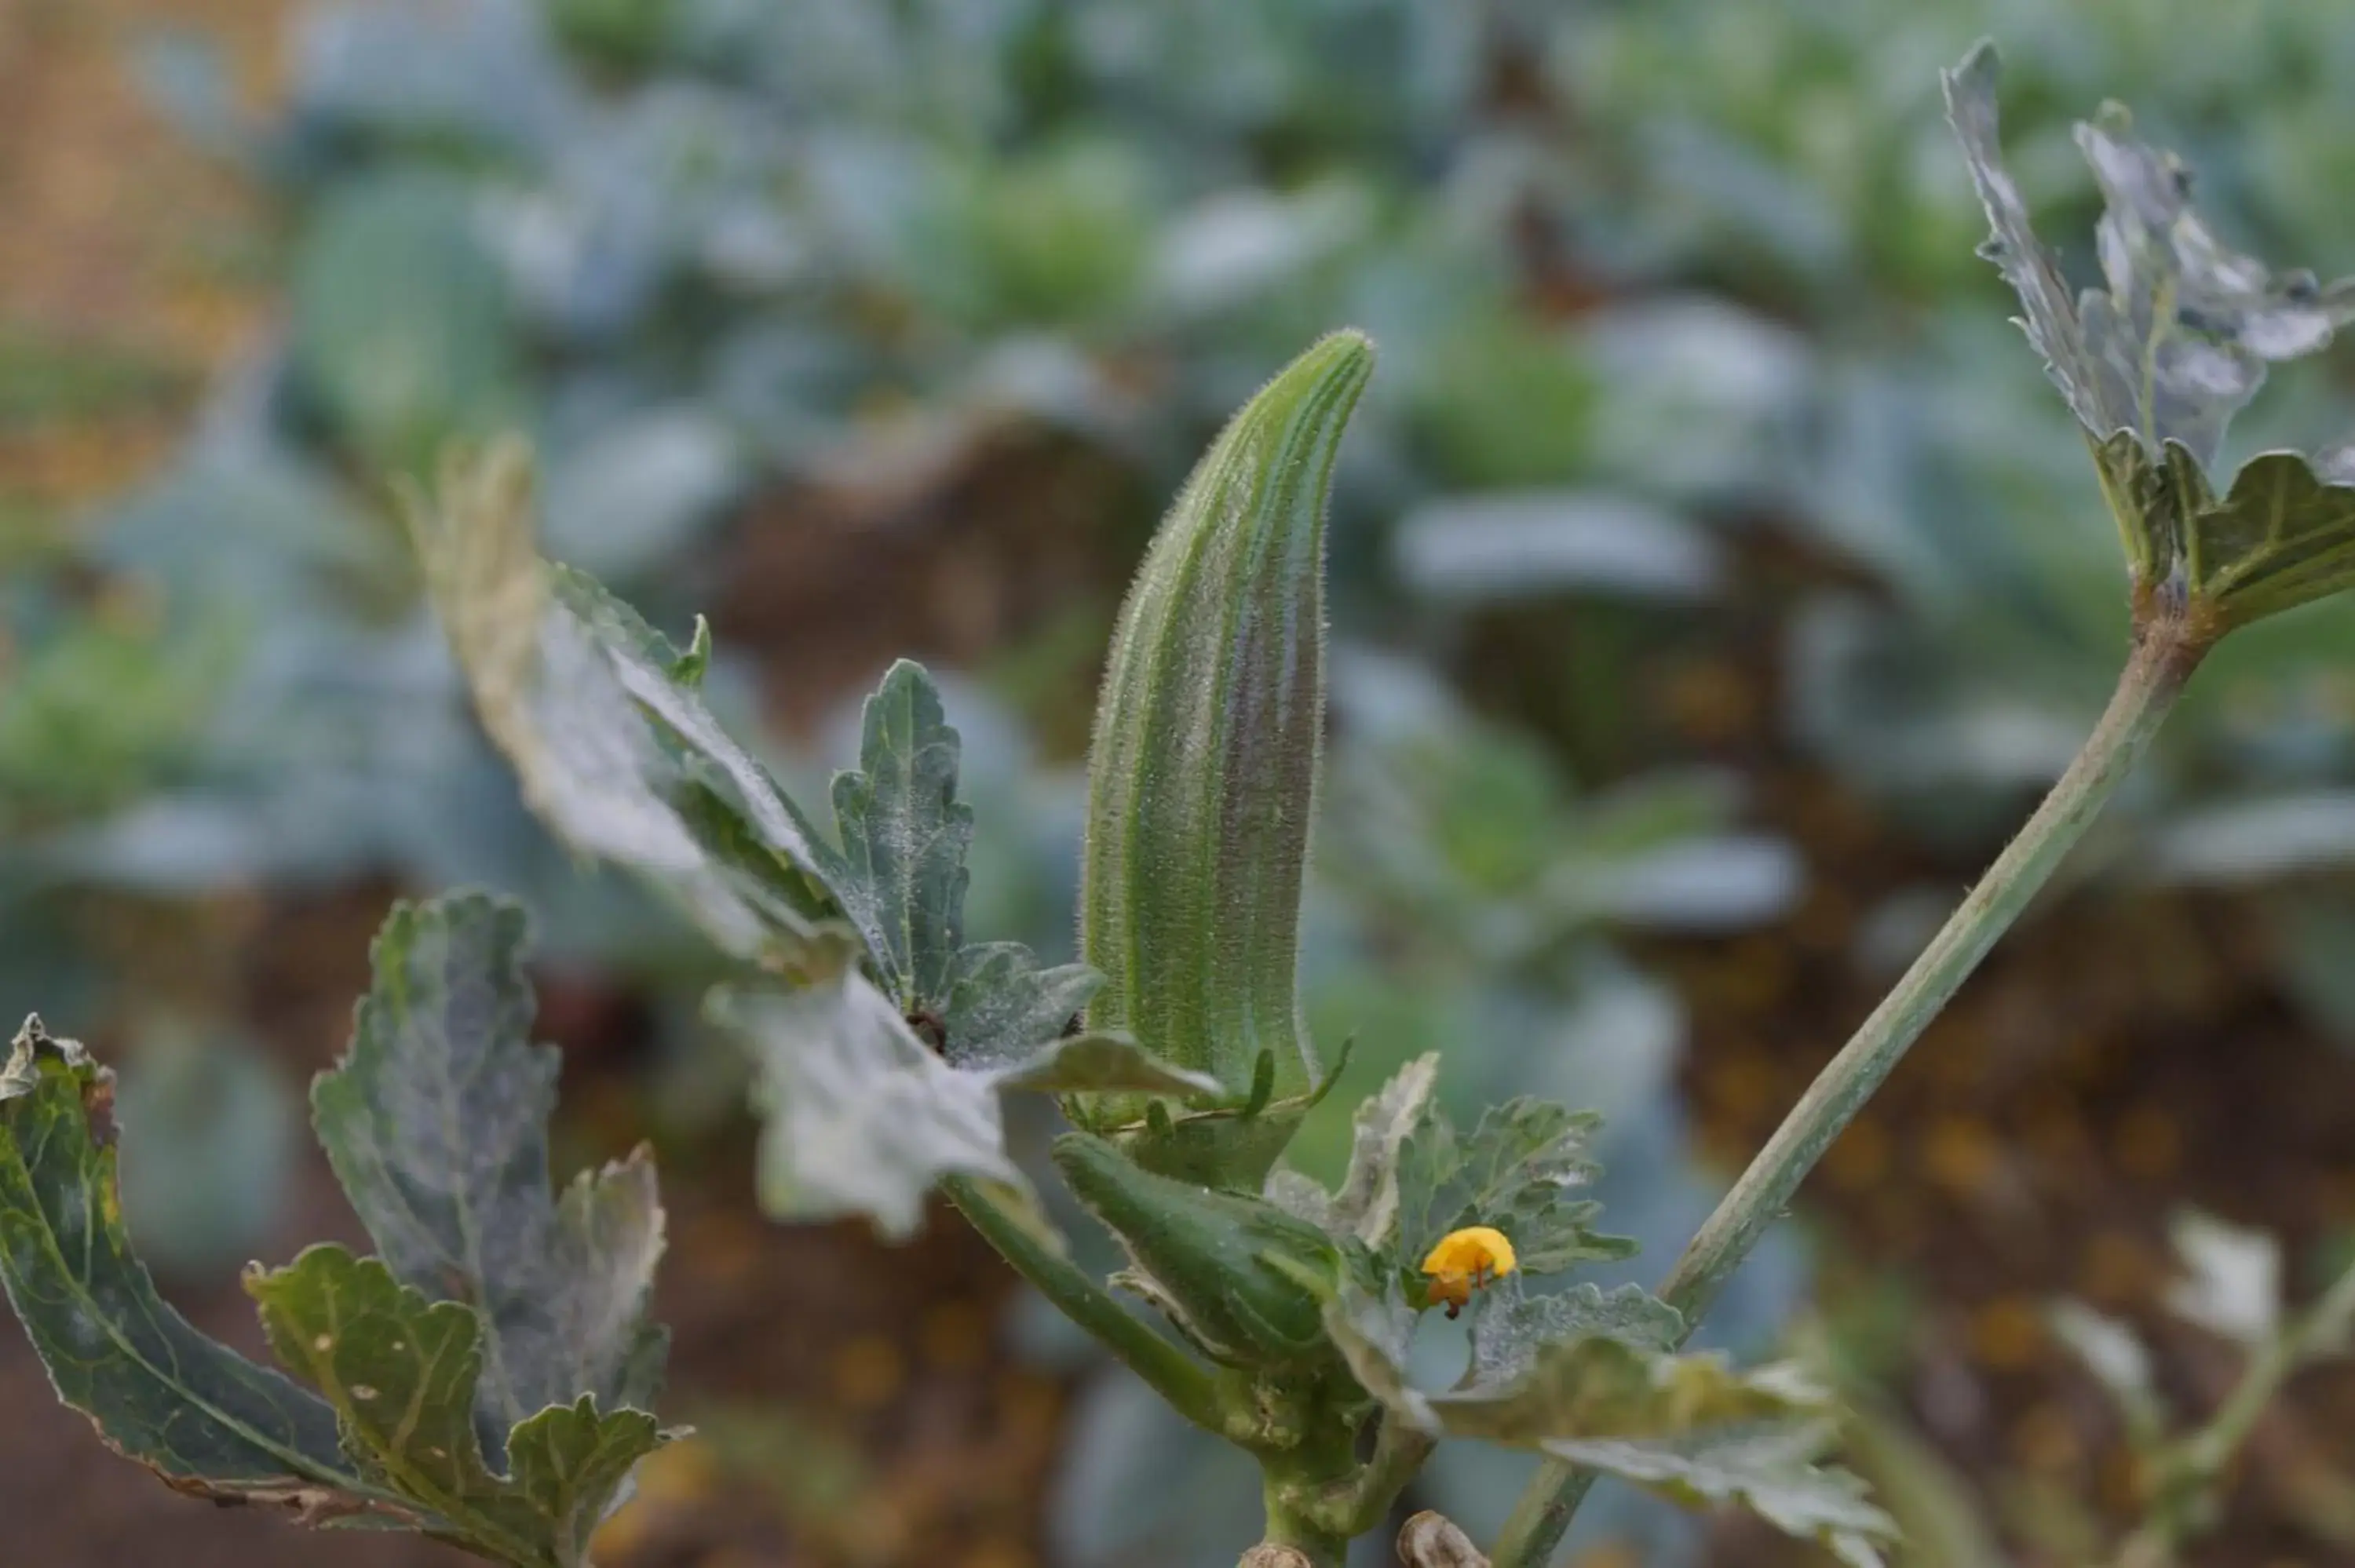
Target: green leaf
(862,1117)
(1587,1376)
(1770,1470)
(1508,1333)
(904,837)
(191,1409)
(599,715)
(1098,1063)
(1003,1008)
(1368,1206)
(1516,1170)
(2282,536)
(401,1372)
(436,1123)
(667,682)
(1009,1018)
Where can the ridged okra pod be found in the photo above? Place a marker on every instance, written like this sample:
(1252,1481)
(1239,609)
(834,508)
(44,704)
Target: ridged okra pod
(1203,779)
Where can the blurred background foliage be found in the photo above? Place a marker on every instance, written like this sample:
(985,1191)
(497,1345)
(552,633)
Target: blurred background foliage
(1716,582)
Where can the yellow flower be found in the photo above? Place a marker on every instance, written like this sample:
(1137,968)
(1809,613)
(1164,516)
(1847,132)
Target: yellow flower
(1465,1261)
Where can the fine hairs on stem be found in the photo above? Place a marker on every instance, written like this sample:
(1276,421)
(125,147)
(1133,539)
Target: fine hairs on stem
(2169,646)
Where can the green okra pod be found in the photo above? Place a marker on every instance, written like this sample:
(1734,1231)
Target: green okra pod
(1203,779)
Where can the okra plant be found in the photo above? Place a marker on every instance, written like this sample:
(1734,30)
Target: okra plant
(489,1378)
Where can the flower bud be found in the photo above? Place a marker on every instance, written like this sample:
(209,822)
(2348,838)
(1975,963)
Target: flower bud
(1203,1257)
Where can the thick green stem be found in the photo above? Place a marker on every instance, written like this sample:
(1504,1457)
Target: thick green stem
(1286,1525)
(1399,1454)
(1359,1497)
(2166,649)
(2189,1470)
(1007,1223)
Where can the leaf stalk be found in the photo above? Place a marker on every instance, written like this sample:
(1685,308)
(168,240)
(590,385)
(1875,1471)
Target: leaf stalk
(998,1214)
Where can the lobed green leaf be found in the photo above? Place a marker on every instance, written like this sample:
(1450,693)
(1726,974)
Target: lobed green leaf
(436,1123)
(401,1372)
(1588,1377)
(600,718)
(1003,1006)
(203,1417)
(1519,1169)
(1770,1470)
(904,838)
(2283,536)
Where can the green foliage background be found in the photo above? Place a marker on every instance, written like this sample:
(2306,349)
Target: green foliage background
(1665,290)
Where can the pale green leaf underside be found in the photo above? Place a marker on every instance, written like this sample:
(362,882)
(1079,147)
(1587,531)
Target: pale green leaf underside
(198,1414)
(1772,1471)
(1367,1205)
(601,719)
(1587,1377)
(436,1123)
(861,1117)
(1509,1331)
(400,1371)
(2179,340)
(2156,365)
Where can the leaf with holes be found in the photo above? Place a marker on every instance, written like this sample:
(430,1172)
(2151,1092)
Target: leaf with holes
(2156,365)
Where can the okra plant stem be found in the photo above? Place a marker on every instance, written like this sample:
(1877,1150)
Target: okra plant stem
(1323,1547)
(1188,1385)
(2168,646)
(2190,1470)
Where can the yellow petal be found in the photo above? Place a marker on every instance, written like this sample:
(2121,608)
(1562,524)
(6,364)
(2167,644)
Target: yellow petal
(1475,1253)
